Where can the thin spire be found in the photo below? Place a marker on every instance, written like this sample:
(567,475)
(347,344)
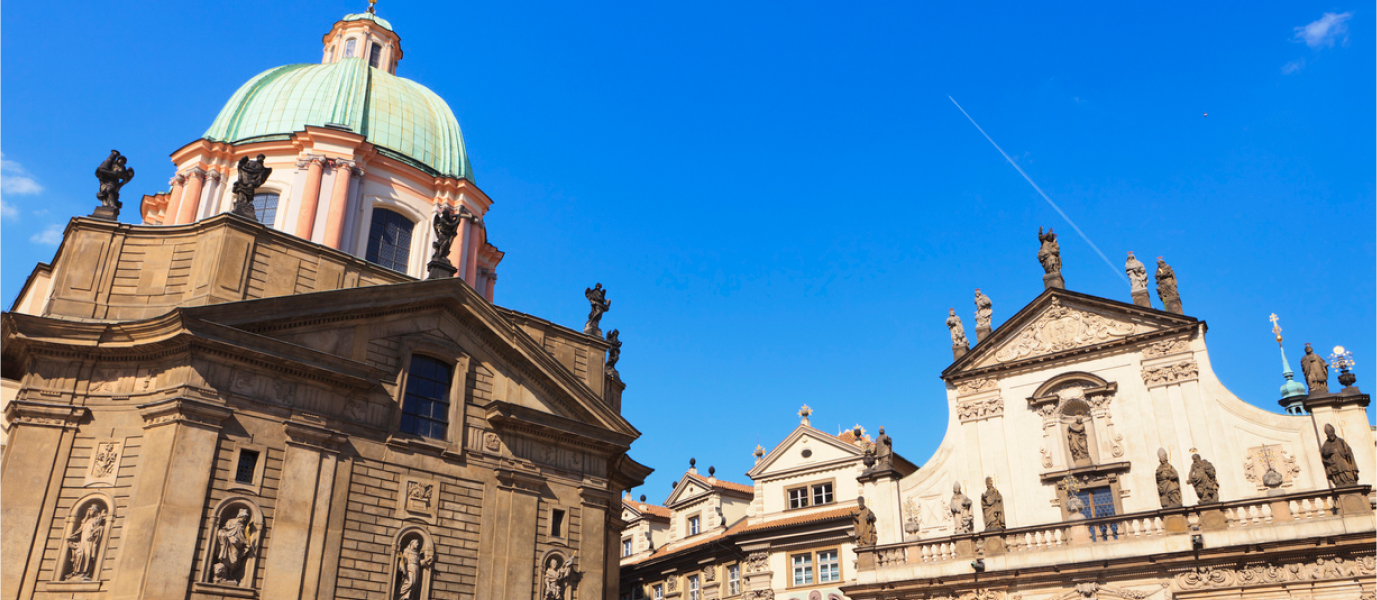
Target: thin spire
(1290,388)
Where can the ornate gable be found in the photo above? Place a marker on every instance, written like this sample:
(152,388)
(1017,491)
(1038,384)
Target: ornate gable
(789,454)
(1060,321)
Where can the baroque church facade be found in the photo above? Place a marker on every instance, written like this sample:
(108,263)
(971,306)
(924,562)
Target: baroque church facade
(1090,453)
(210,405)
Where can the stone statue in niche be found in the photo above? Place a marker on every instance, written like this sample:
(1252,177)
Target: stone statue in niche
(1203,478)
(864,521)
(984,313)
(1166,287)
(235,543)
(992,505)
(83,544)
(884,450)
(418,496)
(1078,443)
(961,510)
(1316,371)
(614,350)
(1168,482)
(1137,279)
(412,561)
(1339,465)
(558,574)
(113,175)
(598,305)
(252,174)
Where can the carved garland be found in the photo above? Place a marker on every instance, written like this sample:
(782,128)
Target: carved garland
(1223,577)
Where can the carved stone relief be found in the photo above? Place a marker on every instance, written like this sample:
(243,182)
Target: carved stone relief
(710,573)
(1165,347)
(491,443)
(913,517)
(971,386)
(559,457)
(973,409)
(1270,466)
(1062,328)
(1336,567)
(418,497)
(105,462)
(1176,372)
(757,562)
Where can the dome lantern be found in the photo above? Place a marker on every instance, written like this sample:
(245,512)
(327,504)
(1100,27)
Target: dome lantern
(365,36)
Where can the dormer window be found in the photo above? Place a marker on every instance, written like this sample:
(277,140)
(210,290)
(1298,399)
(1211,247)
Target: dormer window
(626,547)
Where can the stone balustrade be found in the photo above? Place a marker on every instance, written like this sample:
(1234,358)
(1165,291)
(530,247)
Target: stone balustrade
(1297,508)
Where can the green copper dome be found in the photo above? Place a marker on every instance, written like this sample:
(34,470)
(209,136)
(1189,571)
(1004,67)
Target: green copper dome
(404,119)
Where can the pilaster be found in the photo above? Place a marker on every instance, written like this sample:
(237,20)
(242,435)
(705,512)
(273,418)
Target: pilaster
(593,540)
(308,475)
(507,552)
(40,440)
(310,197)
(168,498)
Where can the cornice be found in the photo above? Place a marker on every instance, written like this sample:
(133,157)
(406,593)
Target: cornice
(44,414)
(184,411)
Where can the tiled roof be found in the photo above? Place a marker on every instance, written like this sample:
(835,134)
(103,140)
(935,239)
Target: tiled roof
(650,509)
(814,517)
(722,484)
(667,550)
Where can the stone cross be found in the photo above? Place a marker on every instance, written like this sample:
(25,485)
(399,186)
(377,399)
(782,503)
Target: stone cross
(803,414)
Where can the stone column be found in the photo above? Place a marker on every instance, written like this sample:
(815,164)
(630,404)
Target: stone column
(168,499)
(458,252)
(507,550)
(492,285)
(40,440)
(339,205)
(593,545)
(471,261)
(303,508)
(191,196)
(174,201)
(310,197)
(209,206)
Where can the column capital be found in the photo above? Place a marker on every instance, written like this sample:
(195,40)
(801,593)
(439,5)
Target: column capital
(44,414)
(197,172)
(183,410)
(177,179)
(213,175)
(311,159)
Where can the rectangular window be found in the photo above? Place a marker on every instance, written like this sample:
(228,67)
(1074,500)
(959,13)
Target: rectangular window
(733,580)
(693,526)
(557,523)
(349,48)
(798,497)
(822,494)
(248,463)
(626,547)
(803,569)
(693,588)
(374,55)
(1098,501)
(829,568)
(425,409)
(265,208)
(659,592)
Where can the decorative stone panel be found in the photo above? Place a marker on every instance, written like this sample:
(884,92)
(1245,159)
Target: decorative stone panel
(1169,373)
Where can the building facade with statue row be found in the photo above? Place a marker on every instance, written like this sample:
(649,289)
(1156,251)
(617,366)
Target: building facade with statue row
(253,395)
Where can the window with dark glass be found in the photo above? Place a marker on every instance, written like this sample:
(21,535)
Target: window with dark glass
(389,240)
(1098,501)
(349,48)
(557,523)
(798,497)
(425,409)
(248,463)
(374,55)
(822,494)
(265,208)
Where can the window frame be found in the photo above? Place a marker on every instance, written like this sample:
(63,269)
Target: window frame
(809,490)
(628,547)
(693,524)
(350,45)
(447,396)
(695,588)
(806,569)
(815,566)
(658,591)
(458,394)
(277,206)
(733,579)
(256,485)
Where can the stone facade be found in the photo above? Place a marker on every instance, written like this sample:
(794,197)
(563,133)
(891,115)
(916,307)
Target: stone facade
(231,430)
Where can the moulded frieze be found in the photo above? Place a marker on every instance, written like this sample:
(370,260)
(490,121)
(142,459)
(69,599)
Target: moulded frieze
(1336,567)
(974,409)
(183,410)
(43,414)
(1166,374)
(971,386)
(1166,347)
(1062,328)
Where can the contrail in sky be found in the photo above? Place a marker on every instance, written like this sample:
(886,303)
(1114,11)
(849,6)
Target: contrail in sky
(1117,271)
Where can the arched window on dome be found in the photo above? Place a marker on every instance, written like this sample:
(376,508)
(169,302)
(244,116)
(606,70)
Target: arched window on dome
(265,208)
(349,47)
(389,240)
(374,55)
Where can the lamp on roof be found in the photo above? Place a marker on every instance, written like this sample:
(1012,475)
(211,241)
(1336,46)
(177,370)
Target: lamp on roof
(1342,360)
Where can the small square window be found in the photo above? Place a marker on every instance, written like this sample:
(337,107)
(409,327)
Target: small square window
(659,592)
(798,498)
(822,494)
(248,464)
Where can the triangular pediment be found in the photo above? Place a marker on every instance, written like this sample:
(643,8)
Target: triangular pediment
(1061,322)
(434,313)
(789,455)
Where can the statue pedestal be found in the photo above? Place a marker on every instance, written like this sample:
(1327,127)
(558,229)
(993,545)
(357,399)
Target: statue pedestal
(107,213)
(994,544)
(1172,304)
(1212,519)
(958,351)
(440,269)
(1141,298)
(1053,280)
(981,333)
(1175,523)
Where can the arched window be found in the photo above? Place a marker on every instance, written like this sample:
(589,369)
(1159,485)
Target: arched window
(349,47)
(265,208)
(374,55)
(389,240)
(425,408)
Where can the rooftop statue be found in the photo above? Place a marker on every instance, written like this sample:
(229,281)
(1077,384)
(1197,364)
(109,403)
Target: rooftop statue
(614,352)
(252,174)
(1137,279)
(1166,287)
(864,522)
(1049,254)
(446,225)
(1316,371)
(958,331)
(113,175)
(984,312)
(598,305)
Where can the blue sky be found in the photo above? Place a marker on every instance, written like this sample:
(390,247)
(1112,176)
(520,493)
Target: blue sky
(780,197)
